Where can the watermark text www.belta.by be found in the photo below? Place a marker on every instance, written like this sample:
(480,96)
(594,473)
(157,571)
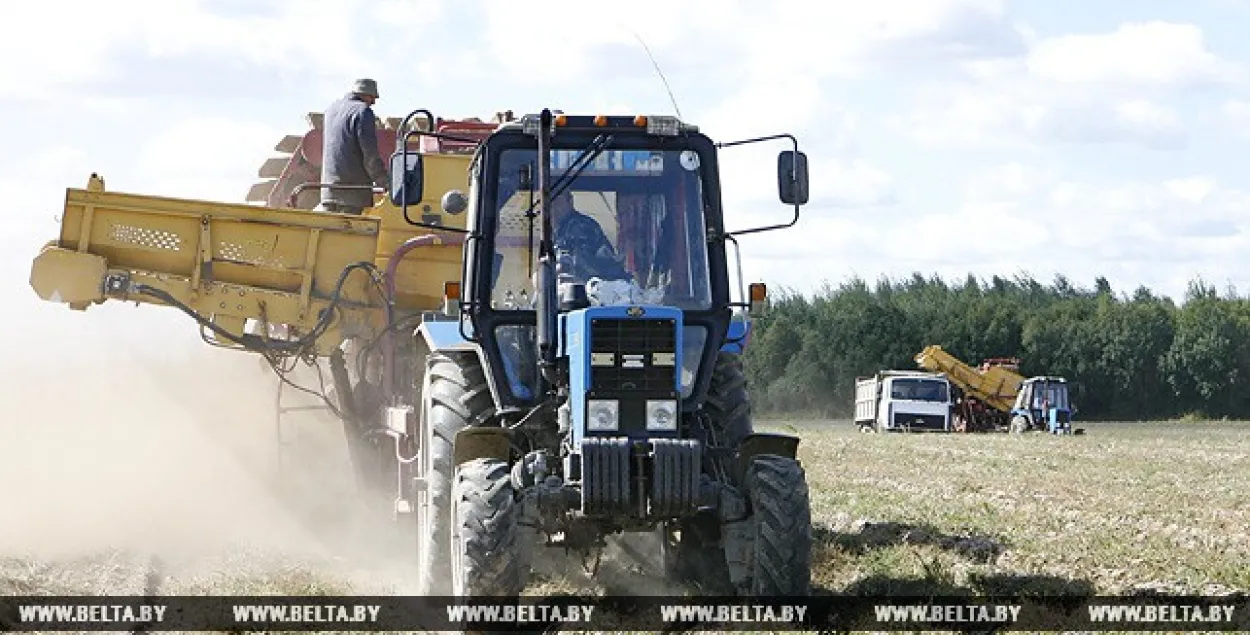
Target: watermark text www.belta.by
(1160,613)
(947,613)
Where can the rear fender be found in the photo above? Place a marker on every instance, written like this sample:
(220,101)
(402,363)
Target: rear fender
(482,443)
(764,443)
(443,336)
(738,337)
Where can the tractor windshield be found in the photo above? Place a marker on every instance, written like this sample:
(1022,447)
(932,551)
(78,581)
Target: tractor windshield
(630,226)
(919,390)
(1050,395)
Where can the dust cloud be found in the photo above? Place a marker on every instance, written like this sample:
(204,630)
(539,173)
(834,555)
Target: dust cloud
(134,452)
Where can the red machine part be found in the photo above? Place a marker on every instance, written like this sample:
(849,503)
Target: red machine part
(302,164)
(1010,363)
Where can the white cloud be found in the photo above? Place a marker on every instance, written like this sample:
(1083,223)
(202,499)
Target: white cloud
(293,38)
(1236,115)
(852,39)
(214,158)
(1023,218)
(1152,54)
(1006,182)
(1024,114)
(550,41)
(826,73)
(1100,88)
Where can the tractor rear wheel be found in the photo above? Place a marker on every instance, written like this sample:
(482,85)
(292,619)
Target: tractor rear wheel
(728,403)
(485,546)
(455,396)
(781,520)
(692,547)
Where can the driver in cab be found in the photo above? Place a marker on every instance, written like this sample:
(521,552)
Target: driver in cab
(583,249)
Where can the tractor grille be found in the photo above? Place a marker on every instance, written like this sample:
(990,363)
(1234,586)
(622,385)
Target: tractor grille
(625,353)
(920,422)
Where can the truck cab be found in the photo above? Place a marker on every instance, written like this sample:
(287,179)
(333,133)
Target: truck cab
(903,401)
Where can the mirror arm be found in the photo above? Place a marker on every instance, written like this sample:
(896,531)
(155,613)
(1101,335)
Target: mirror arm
(784,135)
(755,230)
(793,141)
(742,292)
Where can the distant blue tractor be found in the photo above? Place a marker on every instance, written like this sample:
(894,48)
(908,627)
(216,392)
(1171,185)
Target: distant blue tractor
(1043,403)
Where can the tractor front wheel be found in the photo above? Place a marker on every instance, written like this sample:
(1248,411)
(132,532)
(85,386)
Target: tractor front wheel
(486,558)
(781,521)
(693,552)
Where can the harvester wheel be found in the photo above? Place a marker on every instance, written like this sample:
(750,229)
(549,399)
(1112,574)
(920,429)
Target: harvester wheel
(781,518)
(485,549)
(692,549)
(454,397)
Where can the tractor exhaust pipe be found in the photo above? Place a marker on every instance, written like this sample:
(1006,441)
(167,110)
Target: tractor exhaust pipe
(546,291)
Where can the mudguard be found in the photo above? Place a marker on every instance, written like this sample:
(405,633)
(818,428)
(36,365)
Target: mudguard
(737,338)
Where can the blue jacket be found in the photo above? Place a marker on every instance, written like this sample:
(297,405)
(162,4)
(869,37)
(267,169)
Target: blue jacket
(349,153)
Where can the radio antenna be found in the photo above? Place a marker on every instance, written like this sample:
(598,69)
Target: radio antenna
(656,64)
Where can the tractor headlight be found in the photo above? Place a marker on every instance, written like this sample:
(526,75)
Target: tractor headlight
(603,415)
(661,415)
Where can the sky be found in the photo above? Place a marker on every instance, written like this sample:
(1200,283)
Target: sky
(944,137)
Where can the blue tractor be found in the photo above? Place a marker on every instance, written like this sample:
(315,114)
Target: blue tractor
(589,381)
(1043,403)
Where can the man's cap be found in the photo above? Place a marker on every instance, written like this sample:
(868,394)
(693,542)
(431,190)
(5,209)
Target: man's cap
(366,87)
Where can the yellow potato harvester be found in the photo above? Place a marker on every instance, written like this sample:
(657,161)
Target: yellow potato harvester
(593,382)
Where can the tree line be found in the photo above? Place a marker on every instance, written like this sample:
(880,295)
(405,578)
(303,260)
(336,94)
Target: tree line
(1138,356)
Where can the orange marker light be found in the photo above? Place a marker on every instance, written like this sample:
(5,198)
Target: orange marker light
(601,120)
(640,121)
(451,290)
(561,120)
(758,291)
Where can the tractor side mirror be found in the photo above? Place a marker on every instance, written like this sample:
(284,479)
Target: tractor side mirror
(792,177)
(406,178)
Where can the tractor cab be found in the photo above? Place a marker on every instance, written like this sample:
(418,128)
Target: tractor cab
(1043,403)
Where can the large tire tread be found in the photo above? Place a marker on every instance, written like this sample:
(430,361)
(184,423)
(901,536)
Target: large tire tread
(486,530)
(781,512)
(728,402)
(699,557)
(459,397)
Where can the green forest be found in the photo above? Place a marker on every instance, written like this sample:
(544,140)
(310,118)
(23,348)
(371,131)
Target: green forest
(1136,356)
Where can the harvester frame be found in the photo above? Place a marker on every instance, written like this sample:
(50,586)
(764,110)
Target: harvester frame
(438,428)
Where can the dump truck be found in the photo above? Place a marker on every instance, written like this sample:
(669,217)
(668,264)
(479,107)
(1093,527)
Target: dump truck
(903,401)
(497,401)
(985,396)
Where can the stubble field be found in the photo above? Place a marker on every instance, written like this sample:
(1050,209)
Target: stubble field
(1126,507)
(159,474)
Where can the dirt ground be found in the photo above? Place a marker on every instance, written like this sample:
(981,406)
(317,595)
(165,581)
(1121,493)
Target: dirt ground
(158,471)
